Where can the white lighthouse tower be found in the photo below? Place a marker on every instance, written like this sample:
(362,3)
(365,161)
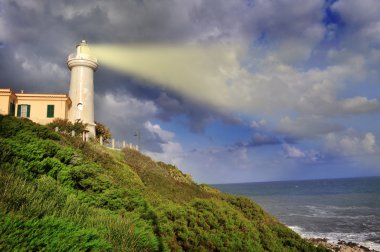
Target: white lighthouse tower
(82,65)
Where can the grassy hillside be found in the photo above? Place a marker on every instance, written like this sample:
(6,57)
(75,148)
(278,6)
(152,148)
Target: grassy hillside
(58,193)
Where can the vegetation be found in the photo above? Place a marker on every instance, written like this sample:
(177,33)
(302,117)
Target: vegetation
(58,193)
(65,126)
(102,131)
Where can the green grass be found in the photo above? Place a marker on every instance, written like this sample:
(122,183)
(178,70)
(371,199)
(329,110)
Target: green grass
(58,193)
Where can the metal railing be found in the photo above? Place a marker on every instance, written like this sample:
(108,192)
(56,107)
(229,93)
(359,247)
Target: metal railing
(118,145)
(113,144)
(82,56)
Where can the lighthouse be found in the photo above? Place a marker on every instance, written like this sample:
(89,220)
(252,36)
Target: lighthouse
(82,66)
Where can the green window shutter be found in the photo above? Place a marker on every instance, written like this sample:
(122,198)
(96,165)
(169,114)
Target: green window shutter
(12,109)
(18,110)
(28,111)
(50,111)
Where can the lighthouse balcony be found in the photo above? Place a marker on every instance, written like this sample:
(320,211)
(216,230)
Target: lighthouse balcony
(82,56)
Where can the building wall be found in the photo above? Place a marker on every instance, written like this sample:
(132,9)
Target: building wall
(4,104)
(6,97)
(39,104)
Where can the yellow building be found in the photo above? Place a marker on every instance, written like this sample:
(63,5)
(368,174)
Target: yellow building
(43,108)
(40,108)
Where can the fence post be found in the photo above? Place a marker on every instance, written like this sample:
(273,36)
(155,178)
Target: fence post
(83,136)
(101,140)
(56,129)
(73,133)
(123,144)
(113,143)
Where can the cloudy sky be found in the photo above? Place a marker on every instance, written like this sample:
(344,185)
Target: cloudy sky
(301,101)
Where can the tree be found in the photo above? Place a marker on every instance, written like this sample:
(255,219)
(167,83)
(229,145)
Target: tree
(102,130)
(64,125)
(78,126)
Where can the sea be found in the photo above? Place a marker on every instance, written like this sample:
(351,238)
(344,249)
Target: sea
(337,209)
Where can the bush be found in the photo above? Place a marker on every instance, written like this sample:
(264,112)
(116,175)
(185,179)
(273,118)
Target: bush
(47,198)
(64,125)
(11,126)
(87,197)
(102,131)
(48,233)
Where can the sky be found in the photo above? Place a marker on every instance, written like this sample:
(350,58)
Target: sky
(301,101)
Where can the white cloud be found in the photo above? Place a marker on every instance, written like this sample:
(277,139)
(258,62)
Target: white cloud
(294,41)
(351,143)
(306,126)
(266,81)
(33,66)
(170,151)
(361,24)
(156,130)
(292,152)
(369,142)
(277,87)
(123,114)
(36,6)
(71,11)
(362,15)
(3,30)
(226,83)
(258,124)
(359,104)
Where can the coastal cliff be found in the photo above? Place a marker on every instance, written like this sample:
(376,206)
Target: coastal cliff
(58,193)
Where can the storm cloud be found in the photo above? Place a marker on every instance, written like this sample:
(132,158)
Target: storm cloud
(309,74)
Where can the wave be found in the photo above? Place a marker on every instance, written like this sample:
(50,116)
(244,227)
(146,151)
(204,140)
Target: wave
(363,239)
(336,212)
(343,208)
(334,216)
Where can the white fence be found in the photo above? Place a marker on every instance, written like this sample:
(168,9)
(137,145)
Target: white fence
(113,144)
(118,145)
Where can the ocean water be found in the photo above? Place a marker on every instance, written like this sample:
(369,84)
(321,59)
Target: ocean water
(336,209)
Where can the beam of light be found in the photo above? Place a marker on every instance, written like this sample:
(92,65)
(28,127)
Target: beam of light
(203,73)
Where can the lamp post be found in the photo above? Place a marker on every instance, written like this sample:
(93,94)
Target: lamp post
(138,135)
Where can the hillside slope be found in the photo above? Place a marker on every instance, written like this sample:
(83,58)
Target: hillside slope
(58,193)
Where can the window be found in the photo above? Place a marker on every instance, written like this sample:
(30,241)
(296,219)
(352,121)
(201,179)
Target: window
(12,109)
(23,110)
(50,111)
(80,106)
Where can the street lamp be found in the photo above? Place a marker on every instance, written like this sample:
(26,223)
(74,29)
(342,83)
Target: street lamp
(138,135)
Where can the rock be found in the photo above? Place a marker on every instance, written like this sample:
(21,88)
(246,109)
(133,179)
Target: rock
(341,246)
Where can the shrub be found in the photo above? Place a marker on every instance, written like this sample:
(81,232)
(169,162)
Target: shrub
(48,233)
(90,198)
(103,131)
(64,125)
(11,126)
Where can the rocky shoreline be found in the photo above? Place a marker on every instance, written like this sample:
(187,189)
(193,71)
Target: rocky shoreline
(341,246)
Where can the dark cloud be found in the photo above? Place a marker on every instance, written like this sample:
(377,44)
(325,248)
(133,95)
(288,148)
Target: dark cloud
(260,139)
(36,36)
(198,115)
(306,127)
(43,33)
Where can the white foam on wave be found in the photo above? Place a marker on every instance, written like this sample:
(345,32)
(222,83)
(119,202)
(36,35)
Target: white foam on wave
(330,212)
(360,208)
(334,216)
(335,237)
